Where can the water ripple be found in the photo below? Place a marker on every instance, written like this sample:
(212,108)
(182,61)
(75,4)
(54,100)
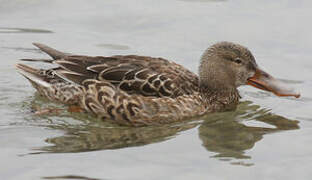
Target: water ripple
(8,30)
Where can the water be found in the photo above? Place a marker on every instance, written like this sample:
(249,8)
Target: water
(266,138)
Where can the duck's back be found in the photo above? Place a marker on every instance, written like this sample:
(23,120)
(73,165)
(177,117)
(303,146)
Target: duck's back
(133,74)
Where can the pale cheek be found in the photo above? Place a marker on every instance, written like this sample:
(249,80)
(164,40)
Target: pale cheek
(250,74)
(241,77)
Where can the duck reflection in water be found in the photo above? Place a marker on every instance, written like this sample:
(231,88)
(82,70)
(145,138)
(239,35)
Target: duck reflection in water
(222,133)
(230,138)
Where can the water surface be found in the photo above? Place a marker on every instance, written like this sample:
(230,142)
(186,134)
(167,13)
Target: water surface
(266,138)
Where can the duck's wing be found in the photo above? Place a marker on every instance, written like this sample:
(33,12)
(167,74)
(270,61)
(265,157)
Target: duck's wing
(142,75)
(134,74)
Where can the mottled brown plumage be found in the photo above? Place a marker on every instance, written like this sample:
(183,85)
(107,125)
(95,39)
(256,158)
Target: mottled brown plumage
(141,90)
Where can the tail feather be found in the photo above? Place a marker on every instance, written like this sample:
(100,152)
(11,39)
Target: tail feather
(39,60)
(55,54)
(33,75)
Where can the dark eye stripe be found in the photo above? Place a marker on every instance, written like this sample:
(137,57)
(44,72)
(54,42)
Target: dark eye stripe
(236,60)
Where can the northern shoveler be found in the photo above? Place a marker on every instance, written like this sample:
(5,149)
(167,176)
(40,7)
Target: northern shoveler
(141,90)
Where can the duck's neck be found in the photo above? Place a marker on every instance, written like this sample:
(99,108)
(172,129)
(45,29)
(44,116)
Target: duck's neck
(219,99)
(217,82)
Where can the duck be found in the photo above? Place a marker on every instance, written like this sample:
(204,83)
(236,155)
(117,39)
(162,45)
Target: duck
(135,90)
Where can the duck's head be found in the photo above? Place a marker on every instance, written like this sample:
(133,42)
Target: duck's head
(225,66)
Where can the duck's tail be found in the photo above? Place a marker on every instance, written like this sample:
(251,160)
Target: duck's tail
(35,76)
(50,85)
(55,54)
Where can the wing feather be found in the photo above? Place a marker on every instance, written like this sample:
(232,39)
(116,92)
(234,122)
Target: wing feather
(133,74)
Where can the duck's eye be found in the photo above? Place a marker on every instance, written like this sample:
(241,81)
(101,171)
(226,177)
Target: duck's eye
(237,60)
